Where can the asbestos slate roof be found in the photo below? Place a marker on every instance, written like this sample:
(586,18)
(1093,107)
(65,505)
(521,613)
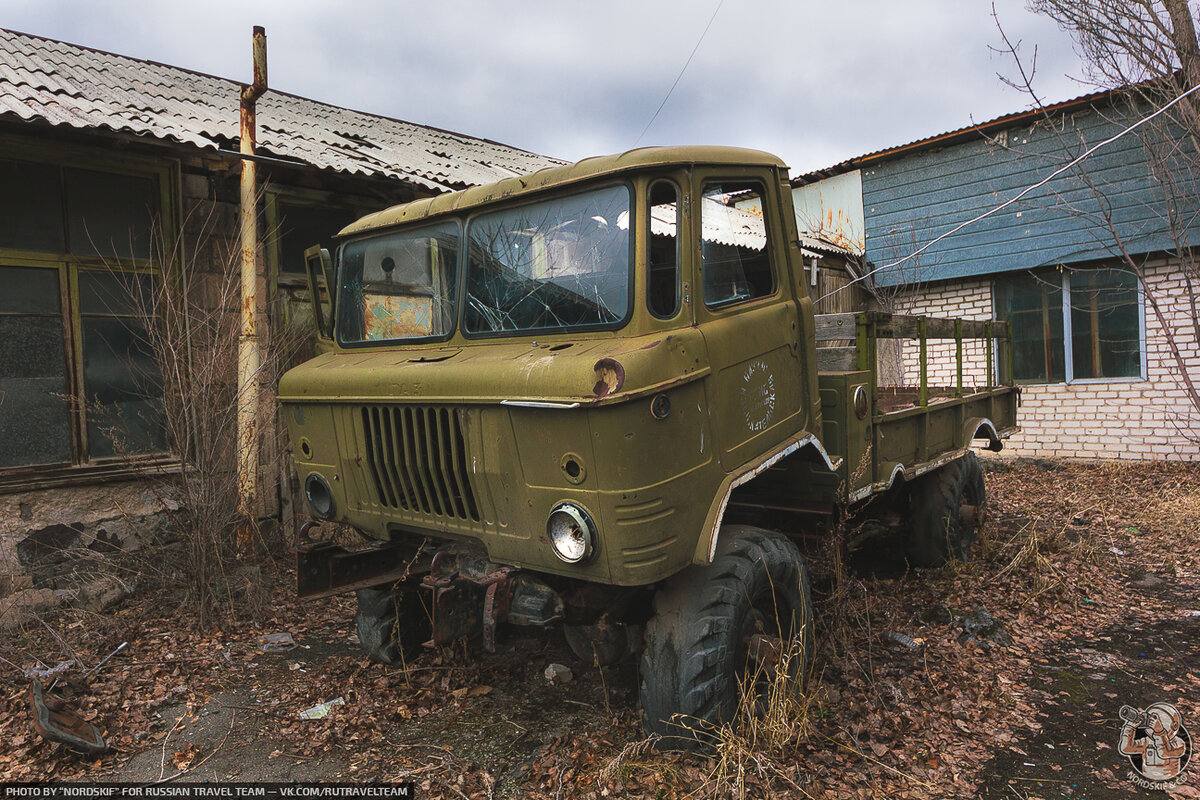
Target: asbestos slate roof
(63,84)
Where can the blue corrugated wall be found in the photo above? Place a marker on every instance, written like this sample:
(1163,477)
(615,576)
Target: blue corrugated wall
(911,200)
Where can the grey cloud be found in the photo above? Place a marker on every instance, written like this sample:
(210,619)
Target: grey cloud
(814,83)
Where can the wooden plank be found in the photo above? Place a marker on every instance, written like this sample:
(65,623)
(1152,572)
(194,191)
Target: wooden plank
(837,359)
(896,326)
(835,326)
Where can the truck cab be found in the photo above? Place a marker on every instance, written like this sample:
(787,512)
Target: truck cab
(617,342)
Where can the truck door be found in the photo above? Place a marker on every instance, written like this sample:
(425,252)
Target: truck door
(747,316)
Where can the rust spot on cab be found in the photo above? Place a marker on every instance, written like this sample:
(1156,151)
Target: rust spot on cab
(610,377)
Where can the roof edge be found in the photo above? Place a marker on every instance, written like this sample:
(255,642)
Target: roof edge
(277,91)
(1103,97)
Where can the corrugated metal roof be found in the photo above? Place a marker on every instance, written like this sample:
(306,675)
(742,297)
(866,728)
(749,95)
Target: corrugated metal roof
(63,84)
(812,246)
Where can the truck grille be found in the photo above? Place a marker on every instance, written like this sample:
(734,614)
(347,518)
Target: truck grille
(417,457)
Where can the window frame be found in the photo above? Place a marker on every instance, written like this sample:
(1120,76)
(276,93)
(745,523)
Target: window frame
(1068,329)
(459,270)
(166,174)
(647,203)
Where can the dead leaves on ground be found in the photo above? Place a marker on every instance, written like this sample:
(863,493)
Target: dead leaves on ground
(1058,568)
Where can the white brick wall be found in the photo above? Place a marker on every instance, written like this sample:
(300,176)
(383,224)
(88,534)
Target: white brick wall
(1148,419)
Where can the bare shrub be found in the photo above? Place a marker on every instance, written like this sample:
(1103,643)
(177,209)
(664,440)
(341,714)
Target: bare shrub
(191,316)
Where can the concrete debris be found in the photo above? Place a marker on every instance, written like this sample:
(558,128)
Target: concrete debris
(276,642)
(980,627)
(558,673)
(20,609)
(101,594)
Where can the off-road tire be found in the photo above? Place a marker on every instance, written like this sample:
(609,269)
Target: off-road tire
(695,648)
(392,623)
(938,533)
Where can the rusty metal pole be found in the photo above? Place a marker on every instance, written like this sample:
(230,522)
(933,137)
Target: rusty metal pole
(249,358)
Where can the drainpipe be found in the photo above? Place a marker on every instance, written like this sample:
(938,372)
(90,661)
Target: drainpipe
(249,358)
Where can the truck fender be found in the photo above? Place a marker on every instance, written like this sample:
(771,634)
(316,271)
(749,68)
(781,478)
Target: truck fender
(807,447)
(982,428)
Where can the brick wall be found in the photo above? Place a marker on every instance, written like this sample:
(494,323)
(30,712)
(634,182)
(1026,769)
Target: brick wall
(961,299)
(1149,419)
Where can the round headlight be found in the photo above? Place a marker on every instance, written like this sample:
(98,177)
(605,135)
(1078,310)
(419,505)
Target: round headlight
(571,532)
(320,498)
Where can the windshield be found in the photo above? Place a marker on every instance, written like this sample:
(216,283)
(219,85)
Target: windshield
(399,285)
(562,263)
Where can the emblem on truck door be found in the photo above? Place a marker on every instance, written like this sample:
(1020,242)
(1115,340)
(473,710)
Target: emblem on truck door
(758,396)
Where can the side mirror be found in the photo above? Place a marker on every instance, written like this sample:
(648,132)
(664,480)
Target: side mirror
(320,275)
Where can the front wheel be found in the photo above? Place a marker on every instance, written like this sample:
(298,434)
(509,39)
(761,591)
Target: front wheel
(715,625)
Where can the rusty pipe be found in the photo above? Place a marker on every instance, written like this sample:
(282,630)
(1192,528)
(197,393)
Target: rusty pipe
(249,356)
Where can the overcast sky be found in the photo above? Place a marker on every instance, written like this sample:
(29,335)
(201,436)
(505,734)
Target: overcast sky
(813,82)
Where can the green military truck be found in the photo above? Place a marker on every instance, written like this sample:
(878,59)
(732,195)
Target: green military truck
(560,398)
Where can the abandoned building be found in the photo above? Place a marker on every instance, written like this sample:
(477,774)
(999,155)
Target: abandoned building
(1091,268)
(101,157)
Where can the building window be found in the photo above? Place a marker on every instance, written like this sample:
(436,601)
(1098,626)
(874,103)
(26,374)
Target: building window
(1074,325)
(79,384)
(298,226)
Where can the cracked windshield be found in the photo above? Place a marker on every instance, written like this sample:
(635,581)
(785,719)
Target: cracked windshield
(563,263)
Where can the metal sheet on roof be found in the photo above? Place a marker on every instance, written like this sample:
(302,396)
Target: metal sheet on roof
(63,84)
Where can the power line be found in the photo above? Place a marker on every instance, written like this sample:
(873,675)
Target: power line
(1016,197)
(680,75)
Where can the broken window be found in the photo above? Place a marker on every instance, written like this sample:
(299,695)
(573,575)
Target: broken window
(662,259)
(31,206)
(1094,335)
(735,259)
(300,226)
(399,286)
(109,215)
(554,264)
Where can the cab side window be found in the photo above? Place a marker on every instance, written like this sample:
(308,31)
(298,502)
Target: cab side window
(662,260)
(735,261)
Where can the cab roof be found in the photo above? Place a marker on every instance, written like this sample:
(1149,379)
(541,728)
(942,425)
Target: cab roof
(553,177)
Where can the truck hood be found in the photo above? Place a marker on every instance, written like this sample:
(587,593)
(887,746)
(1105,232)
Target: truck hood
(591,372)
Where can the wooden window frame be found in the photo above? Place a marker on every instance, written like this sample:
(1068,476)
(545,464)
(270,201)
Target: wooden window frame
(1068,330)
(82,469)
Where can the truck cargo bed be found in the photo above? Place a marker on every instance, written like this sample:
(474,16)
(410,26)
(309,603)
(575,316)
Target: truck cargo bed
(887,428)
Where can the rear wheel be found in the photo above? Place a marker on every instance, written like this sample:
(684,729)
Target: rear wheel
(392,623)
(712,624)
(948,508)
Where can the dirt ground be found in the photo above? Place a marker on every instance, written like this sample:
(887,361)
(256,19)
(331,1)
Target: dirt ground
(1093,572)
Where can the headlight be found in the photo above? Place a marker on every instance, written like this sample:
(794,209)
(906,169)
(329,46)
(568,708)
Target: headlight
(320,498)
(571,532)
